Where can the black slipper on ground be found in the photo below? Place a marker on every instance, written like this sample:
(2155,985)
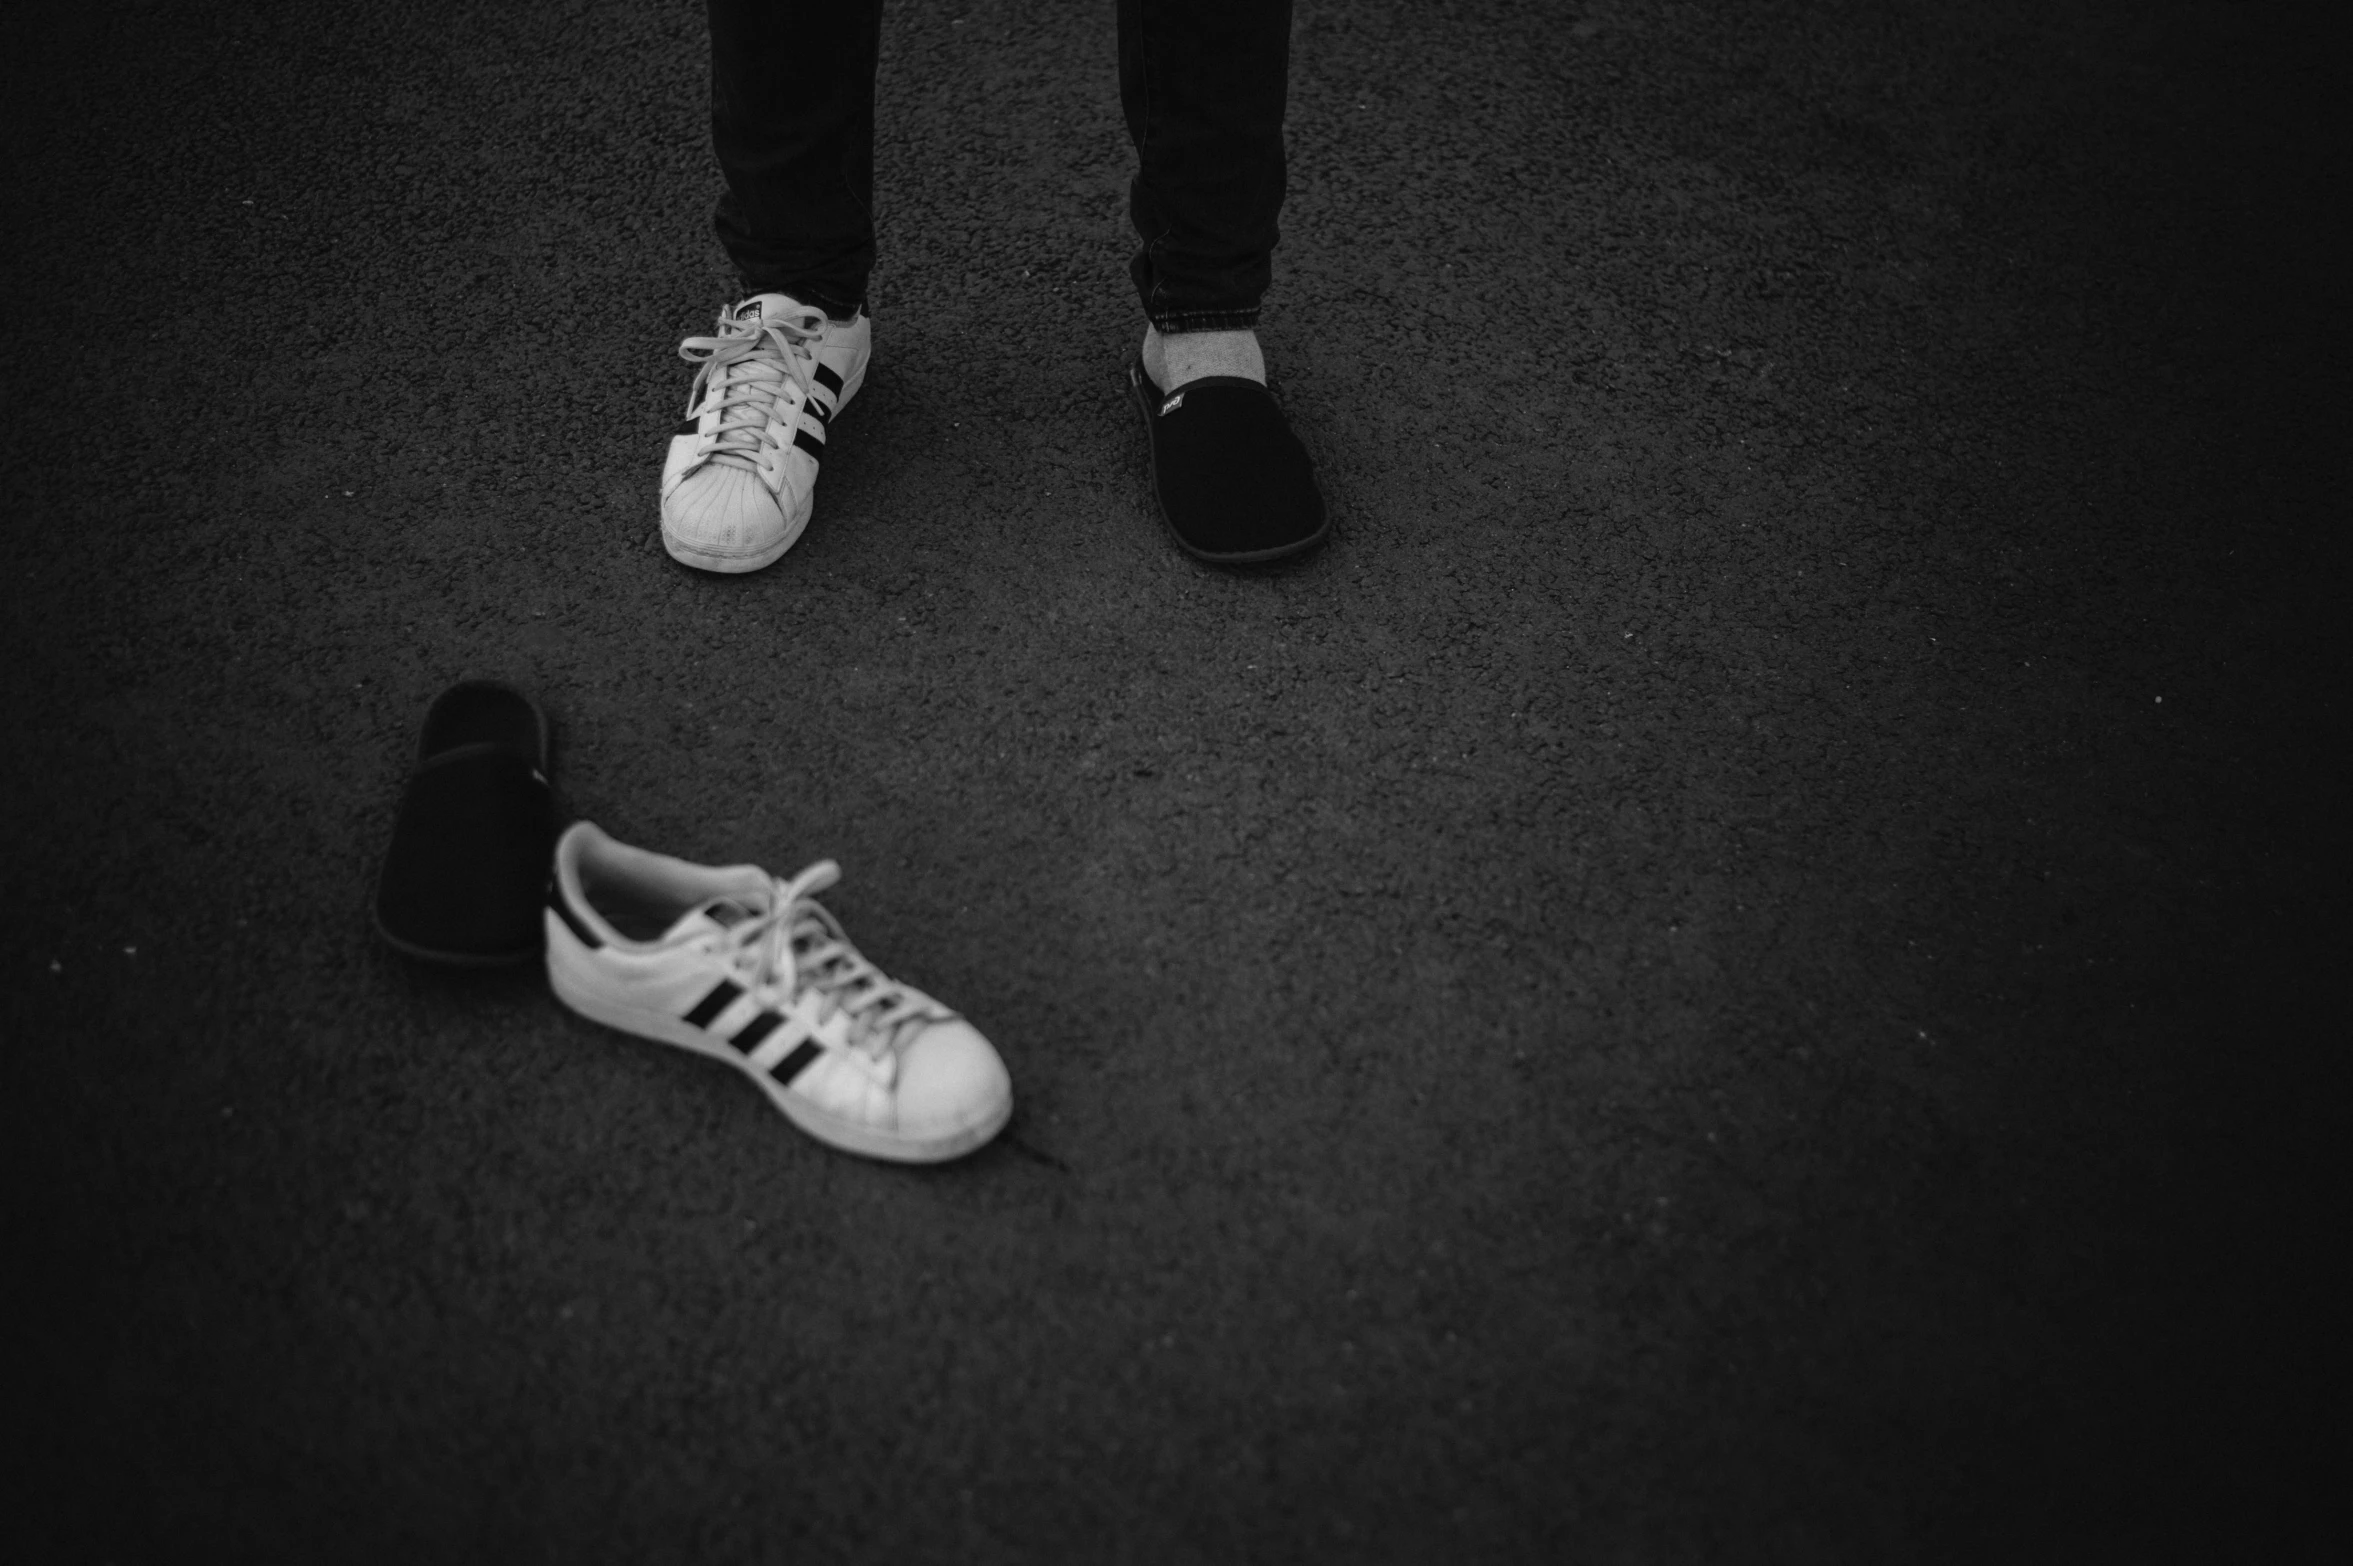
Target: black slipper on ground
(1234,484)
(466,876)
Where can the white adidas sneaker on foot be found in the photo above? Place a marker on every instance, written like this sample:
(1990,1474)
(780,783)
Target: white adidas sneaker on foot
(742,966)
(742,467)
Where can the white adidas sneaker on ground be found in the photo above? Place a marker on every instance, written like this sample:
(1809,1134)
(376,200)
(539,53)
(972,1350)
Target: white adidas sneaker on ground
(744,967)
(742,468)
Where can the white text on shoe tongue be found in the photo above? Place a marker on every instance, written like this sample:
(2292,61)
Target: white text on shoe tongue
(763,308)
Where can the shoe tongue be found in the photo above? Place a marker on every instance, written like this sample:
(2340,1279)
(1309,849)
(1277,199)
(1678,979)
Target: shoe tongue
(761,309)
(720,913)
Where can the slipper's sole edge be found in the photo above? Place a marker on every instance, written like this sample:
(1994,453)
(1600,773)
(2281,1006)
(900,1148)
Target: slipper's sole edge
(1313,540)
(453,959)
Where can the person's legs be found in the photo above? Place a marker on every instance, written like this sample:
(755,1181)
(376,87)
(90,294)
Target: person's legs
(1203,83)
(792,121)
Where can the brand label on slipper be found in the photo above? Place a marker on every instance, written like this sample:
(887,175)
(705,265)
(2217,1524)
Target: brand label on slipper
(1172,405)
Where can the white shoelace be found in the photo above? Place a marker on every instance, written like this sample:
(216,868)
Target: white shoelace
(794,943)
(753,364)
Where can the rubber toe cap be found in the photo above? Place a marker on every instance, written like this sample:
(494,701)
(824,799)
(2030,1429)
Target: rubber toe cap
(723,512)
(951,1082)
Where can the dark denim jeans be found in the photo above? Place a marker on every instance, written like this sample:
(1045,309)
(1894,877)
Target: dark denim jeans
(1202,82)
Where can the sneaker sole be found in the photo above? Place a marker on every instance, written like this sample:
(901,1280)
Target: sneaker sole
(850,1138)
(736,565)
(732,565)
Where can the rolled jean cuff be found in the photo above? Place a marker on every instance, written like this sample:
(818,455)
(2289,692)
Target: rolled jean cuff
(827,299)
(1207,321)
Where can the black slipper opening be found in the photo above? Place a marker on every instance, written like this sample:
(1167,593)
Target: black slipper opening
(466,873)
(481,712)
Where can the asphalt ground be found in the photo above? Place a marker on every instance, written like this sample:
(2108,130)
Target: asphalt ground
(1739,970)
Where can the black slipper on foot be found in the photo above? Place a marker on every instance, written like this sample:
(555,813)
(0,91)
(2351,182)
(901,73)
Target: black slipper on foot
(466,876)
(1234,484)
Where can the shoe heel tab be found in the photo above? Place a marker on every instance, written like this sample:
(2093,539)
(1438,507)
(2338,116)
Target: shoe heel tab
(565,897)
(573,918)
(581,834)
